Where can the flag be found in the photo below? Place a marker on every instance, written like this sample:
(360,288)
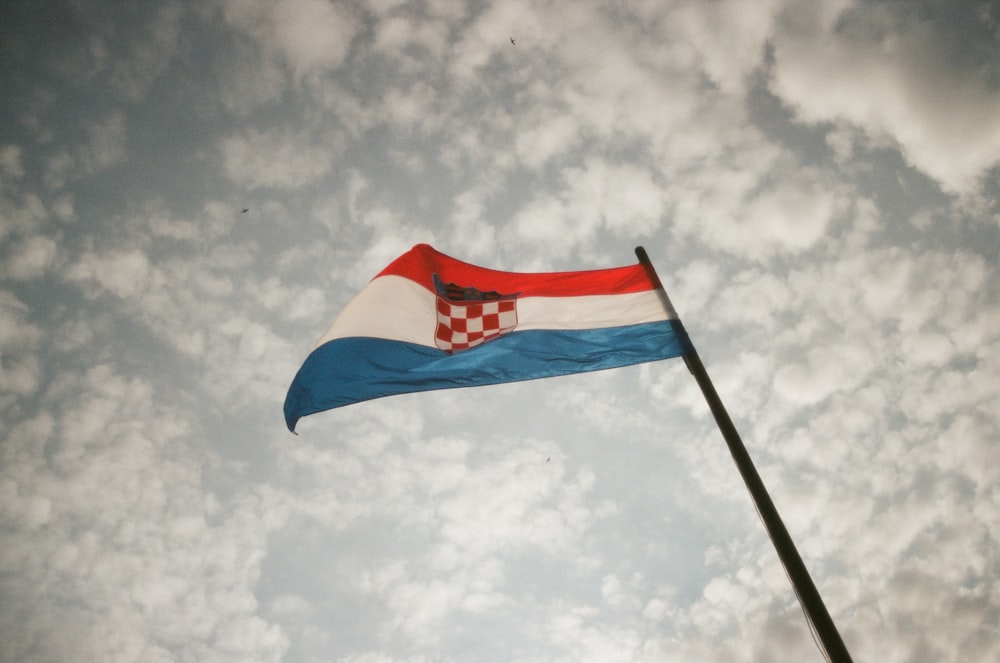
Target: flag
(429,321)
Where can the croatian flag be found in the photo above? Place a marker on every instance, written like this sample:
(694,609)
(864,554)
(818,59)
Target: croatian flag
(429,321)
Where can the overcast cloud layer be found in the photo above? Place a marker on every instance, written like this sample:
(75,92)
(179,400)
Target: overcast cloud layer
(818,188)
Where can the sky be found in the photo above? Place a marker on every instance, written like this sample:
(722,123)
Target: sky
(819,189)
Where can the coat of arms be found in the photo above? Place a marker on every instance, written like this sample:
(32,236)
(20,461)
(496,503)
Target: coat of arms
(468,317)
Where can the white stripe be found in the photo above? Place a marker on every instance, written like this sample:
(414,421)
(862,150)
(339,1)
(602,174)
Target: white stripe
(390,307)
(589,311)
(397,309)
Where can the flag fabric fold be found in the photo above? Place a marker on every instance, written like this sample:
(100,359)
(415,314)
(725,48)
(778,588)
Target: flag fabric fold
(429,321)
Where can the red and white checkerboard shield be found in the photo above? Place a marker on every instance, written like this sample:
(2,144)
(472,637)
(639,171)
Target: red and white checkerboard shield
(462,325)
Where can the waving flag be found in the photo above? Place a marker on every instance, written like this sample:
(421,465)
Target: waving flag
(429,321)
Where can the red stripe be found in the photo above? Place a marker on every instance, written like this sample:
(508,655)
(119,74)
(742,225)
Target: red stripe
(420,262)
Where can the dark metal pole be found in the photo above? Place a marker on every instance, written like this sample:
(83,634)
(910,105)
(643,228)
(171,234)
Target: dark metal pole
(825,631)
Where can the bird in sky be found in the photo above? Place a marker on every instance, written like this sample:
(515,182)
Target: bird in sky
(244,210)
(513,42)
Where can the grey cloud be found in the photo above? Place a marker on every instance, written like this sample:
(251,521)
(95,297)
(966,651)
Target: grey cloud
(894,71)
(107,145)
(149,53)
(10,161)
(153,507)
(279,160)
(311,36)
(89,482)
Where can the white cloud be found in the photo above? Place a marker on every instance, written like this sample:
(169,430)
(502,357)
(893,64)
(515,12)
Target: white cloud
(928,347)
(310,36)
(748,299)
(149,53)
(152,506)
(786,211)
(487,36)
(107,145)
(626,198)
(882,68)
(413,108)
(29,258)
(546,137)
(110,537)
(629,88)
(729,36)
(397,33)
(792,217)
(23,214)
(546,222)
(692,285)
(293,303)
(287,160)
(16,332)
(582,635)
(242,351)
(470,228)
(124,273)
(62,208)
(483,505)
(248,79)
(10,162)
(623,199)
(59,169)
(822,372)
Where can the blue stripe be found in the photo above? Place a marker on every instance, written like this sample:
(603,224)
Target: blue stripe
(350,370)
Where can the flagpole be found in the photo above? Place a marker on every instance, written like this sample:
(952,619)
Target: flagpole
(824,630)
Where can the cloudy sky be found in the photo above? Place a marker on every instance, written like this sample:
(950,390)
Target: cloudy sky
(818,188)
